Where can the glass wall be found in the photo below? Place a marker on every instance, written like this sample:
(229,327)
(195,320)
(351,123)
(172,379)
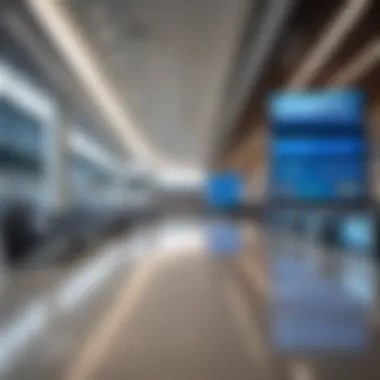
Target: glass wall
(20,152)
(90,183)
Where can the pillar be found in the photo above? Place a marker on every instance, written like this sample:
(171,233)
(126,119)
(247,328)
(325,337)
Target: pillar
(57,189)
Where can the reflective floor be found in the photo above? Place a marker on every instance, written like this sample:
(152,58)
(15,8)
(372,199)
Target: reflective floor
(158,304)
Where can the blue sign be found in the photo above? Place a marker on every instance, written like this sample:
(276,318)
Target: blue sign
(319,110)
(224,190)
(318,147)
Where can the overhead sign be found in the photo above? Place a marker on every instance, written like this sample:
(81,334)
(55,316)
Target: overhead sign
(224,189)
(318,110)
(318,146)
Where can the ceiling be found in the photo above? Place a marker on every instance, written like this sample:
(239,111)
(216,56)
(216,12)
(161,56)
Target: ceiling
(176,78)
(167,63)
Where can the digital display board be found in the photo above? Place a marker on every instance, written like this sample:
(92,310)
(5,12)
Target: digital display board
(318,146)
(317,111)
(224,189)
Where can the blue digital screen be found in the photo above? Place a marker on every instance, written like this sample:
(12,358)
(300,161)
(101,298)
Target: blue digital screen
(294,170)
(224,189)
(318,110)
(318,147)
(321,147)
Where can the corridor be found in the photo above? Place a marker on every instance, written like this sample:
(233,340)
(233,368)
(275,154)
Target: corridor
(155,305)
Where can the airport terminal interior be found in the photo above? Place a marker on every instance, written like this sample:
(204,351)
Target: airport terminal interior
(189,189)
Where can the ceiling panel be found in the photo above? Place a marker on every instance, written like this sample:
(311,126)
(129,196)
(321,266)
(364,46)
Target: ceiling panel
(168,61)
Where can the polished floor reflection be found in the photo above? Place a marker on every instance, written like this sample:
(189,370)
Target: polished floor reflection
(156,304)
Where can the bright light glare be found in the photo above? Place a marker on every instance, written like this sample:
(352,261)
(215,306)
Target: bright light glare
(186,177)
(23,94)
(85,281)
(181,238)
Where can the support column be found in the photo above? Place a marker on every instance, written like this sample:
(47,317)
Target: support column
(57,194)
(119,190)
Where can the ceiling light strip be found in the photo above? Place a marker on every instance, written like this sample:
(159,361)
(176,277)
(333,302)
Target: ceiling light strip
(68,39)
(20,91)
(335,33)
(367,58)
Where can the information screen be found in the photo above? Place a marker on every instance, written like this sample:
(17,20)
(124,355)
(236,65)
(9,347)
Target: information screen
(318,146)
(317,112)
(224,189)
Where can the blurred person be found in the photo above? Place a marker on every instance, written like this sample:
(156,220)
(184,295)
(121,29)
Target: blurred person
(18,233)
